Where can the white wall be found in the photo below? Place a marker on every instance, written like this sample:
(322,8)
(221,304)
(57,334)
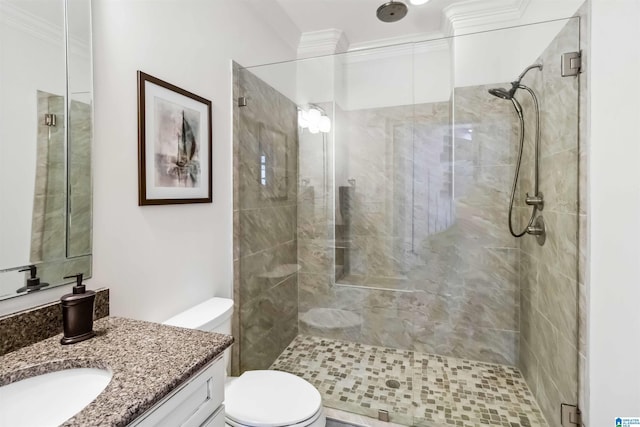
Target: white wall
(500,56)
(158,260)
(614,337)
(420,72)
(31,59)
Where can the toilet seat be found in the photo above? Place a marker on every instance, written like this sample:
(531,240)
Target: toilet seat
(272,399)
(311,422)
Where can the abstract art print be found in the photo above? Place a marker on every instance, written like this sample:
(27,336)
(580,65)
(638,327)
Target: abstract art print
(174,144)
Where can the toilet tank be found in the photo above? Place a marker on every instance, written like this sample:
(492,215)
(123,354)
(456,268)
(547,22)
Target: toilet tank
(212,315)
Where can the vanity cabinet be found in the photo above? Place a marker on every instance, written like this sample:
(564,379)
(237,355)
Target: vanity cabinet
(196,403)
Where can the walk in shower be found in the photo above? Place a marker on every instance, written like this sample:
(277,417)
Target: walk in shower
(372,244)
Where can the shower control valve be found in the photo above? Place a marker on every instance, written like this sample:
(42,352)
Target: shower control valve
(537,201)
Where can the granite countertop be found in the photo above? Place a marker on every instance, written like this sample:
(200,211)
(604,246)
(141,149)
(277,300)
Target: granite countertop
(148,360)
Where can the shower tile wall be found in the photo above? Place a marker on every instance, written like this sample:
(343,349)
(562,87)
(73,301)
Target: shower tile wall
(549,274)
(79,178)
(49,240)
(316,228)
(49,203)
(265,223)
(486,255)
(423,273)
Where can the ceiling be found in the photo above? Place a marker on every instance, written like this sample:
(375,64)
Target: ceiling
(357,18)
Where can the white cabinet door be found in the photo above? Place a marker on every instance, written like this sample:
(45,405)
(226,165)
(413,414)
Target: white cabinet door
(191,404)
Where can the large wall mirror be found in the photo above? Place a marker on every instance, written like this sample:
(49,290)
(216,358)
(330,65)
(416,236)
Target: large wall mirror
(46,124)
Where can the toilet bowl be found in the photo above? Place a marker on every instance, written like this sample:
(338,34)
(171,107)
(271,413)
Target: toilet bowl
(256,398)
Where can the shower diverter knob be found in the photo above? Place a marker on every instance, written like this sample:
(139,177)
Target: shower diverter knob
(537,201)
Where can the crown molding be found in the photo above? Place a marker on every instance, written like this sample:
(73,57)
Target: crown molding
(41,29)
(460,17)
(35,26)
(323,42)
(474,15)
(464,16)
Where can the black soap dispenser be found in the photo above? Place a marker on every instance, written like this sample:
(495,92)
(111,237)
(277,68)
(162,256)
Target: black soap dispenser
(77,313)
(33,282)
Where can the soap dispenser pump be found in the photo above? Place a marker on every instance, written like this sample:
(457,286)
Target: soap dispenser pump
(33,282)
(77,313)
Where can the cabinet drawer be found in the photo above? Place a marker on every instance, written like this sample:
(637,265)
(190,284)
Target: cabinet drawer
(215,420)
(192,403)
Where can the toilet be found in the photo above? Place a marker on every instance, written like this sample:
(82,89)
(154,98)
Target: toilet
(256,398)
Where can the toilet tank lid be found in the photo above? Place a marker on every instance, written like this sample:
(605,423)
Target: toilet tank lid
(204,316)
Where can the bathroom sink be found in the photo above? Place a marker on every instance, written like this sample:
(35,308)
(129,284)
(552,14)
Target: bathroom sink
(50,399)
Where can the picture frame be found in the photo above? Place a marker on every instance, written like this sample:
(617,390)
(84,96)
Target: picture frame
(174,144)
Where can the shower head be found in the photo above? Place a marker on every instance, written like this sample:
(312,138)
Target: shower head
(392,11)
(515,85)
(501,92)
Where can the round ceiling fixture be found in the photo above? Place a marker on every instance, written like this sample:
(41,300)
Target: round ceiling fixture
(392,11)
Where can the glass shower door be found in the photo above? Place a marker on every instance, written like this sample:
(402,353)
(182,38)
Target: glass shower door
(386,275)
(505,333)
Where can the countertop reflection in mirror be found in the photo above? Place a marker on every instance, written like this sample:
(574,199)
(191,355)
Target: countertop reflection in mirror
(45,141)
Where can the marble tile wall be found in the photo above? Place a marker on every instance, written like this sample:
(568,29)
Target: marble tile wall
(549,274)
(80,131)
(317,231)
(425,273)
(48,234)
(265,223)
(50,244)
(484,252)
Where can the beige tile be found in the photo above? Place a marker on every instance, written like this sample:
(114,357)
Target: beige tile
(559,181)
(431,391)
(528,365)
(558,301)
(316,257)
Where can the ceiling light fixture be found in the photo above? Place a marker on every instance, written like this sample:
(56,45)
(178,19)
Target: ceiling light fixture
(392,11)
(418,2)
(314,119)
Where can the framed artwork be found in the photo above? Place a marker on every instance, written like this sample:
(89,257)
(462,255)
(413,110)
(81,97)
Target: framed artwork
(174,144)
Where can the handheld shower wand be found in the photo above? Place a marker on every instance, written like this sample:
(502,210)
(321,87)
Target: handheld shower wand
(534,226)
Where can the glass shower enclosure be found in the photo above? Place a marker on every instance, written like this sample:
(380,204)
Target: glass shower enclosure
(371,242)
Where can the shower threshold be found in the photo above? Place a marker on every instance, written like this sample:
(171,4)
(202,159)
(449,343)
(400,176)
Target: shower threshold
(415,388)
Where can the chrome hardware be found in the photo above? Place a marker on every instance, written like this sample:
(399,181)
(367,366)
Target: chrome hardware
(535,231)
(383,415)
(570,415)
(538,230)
(50,119)
(570,64)
(537,200)
(510,95)
(242,101)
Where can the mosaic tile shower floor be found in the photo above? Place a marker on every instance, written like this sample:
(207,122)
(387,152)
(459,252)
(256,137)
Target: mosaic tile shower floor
(434,390)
